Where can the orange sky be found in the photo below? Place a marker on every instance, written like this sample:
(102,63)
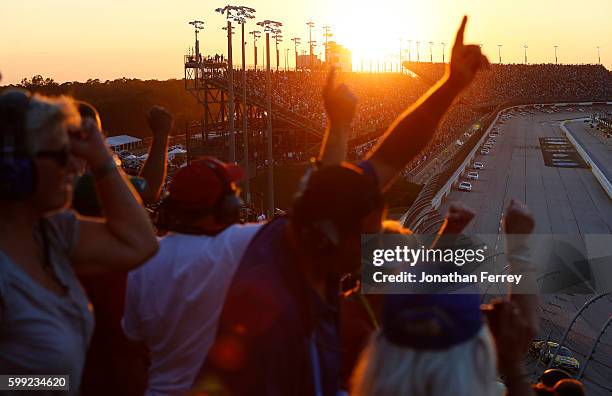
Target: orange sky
(71,40)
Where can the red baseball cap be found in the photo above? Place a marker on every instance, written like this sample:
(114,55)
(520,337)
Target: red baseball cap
(203,182)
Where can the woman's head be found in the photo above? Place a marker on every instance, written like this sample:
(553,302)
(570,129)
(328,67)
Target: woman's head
(38,137)
(429,344)
(466,369)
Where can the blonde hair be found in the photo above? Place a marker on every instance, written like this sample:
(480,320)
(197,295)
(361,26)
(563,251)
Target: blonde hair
(48,119)
(467,369)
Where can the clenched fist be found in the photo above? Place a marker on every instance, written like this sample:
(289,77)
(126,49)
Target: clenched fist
(340,103)
(160,120)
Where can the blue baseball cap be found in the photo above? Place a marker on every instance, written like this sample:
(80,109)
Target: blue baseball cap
(431,321)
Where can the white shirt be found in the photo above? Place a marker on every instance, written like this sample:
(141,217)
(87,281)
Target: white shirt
(173,302)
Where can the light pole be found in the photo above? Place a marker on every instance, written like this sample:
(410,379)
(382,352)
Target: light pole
(443,51)
(409,46)
(278,37)
(245,13)
(268,27)
(598,55)
(418,55)
(296,42)
(327,34)
(230,13)
(400,55)
(556,60)
(431,51)
(256,34)
(310,25)
(286,59)
(499,46)
(197,26)
(525,47)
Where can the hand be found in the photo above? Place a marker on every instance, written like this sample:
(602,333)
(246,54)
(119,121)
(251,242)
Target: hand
(518,219)
(466,60)
(88,143)
(457,218)
(512,333)
(340,103)
(160,121)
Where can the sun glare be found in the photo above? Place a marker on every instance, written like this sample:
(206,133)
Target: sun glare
(372,32)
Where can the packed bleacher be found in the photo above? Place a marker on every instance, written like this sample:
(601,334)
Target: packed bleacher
(383,96)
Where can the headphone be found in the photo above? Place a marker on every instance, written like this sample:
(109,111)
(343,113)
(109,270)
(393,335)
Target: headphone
(227,208)
(17,170)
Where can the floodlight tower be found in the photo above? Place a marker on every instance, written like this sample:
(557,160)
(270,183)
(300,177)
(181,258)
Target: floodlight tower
(310,25)
(418,55)
(278,38)
(296,42)
(443,44)
(243,14)
(431,51)
(269,27)
(499,47)
(525,47)
(556,59)
(230,13)
(256,34)
(327,34)
(197,26)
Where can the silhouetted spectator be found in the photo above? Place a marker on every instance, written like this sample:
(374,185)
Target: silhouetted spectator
(45,318)
(174,300)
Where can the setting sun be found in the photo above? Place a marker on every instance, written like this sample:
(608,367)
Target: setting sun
(360,26)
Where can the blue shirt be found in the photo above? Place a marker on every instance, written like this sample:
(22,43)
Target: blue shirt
(276,336)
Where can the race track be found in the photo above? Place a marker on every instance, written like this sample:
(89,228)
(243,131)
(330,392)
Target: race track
(563,201)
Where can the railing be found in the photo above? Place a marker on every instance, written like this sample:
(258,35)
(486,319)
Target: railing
(277,110)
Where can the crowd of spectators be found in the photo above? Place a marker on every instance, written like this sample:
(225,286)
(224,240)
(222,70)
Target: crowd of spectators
(383,96)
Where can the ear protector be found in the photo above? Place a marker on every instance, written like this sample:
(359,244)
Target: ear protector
(17,170)
(227,208)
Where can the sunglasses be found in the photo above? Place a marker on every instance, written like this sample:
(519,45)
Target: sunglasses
(61,156)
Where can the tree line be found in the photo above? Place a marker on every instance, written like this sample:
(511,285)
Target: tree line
(123,103)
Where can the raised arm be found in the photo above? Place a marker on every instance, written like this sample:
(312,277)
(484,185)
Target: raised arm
(340,106)
(154,169)
(124,238)
(410,133)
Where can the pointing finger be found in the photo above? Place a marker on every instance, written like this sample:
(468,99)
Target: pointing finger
(460,32)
